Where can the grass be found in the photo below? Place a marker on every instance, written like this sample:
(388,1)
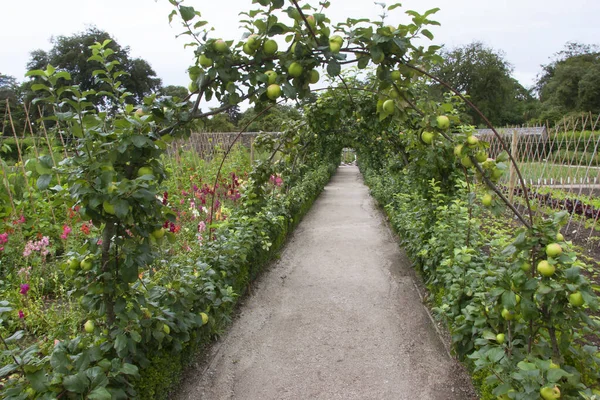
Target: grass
(556,172)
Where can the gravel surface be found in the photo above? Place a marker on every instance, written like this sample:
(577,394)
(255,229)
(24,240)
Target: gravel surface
(337,317)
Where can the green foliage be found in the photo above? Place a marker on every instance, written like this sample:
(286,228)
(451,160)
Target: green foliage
(445,235)
(577,157)
(571,82)
(72,54)
(485,75)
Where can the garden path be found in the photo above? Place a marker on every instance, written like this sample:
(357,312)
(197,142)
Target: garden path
(338,316)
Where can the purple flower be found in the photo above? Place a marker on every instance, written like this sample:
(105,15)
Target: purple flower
(21,314)
(24,289)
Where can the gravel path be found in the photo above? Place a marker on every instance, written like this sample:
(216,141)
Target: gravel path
(337,317)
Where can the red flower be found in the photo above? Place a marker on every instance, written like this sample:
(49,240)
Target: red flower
(85,229)
(24,289)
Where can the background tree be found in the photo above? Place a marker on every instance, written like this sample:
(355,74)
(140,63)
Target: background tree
(272,121)
(571,82)
(484,74)
(70,53)
(174,91)
(11,91)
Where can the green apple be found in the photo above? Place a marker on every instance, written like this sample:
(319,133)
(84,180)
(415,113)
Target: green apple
(204,318)
(311,21)
(221,46)
(500,338)
(248,50)
(271,77)
(270,47)
(166,329)
(508,315)
(108,208)
(472,141)
(379,59)
(314,76)
(253,42)
(458,150)
(560,237)
(427,137)
(193,87)
(481,156)
(443,122)
(466,161)
(204,61)
(139,112)
(158,233)
(89,326)
(145,170)
(545,268)
(525,266)
(335,43)
(553,250)
(497,173)
(576,299)
(550,393)
(389,106)
(517,298)
(87,263)
(111,188)
(396,75)
(73,263)
(273,91)
(486,200)
(295,70)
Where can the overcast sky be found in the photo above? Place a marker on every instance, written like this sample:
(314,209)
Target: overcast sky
(528,31)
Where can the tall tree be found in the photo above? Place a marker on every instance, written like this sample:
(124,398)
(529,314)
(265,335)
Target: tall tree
(174,91)
(571,81)
(10,92)
(71,53)
(484,74)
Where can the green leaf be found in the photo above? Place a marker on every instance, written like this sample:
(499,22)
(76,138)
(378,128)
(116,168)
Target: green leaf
(556,374)
(38,380)
(129,369)
(8,369)
(15,336)
(427,34)
(333,68)
(100,393)
(120,342)
(39,86)
(187,13)
(129,273)
(44,181)
(76,383)
(526,366)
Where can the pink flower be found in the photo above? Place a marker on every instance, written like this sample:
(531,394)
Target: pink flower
(24,289)
(3,238)
(201,226)
(21,314)
(276,180)
(65,233)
